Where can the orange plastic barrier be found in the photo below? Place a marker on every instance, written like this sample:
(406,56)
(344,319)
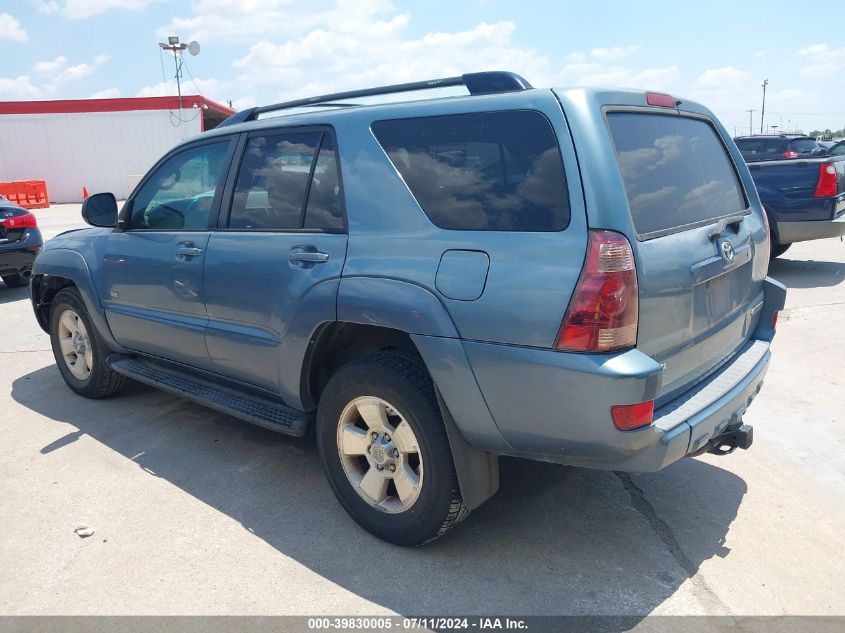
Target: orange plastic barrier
(30,194)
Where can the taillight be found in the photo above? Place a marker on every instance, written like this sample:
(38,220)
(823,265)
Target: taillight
(660,99)
(602,314)
(775,321)
(828,184)
(632,416)
(790,154)
(25,221)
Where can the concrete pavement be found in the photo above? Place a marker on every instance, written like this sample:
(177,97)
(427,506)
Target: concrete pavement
(198,513)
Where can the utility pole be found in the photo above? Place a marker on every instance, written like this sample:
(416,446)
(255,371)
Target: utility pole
(750,122)
(173,45)
(763,111)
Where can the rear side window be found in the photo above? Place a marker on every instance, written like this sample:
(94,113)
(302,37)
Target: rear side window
(273,181)
(803,145)
(675,170)
(488,171)
(324,210)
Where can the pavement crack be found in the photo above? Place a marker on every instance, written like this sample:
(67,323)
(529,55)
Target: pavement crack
(24,351)
(662,529)
(813,305)
(642,505)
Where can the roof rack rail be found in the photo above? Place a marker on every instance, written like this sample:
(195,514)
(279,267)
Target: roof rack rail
(489,82)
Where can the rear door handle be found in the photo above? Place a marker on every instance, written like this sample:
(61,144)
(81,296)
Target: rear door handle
(188,251)
(301,256)
(723,224)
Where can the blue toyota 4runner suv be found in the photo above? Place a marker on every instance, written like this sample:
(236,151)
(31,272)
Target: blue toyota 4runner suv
(576,276)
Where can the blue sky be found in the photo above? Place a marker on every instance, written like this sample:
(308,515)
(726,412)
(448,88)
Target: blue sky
(260,51)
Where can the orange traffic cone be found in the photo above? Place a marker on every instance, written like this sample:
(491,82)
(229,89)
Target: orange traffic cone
(84,192)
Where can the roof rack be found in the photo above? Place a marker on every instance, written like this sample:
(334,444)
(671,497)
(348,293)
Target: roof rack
(489,82)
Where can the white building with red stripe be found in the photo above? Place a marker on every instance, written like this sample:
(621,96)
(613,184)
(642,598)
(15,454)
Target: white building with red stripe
(99,144)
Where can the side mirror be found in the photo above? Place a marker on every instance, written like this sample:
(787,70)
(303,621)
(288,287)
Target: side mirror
(100,209)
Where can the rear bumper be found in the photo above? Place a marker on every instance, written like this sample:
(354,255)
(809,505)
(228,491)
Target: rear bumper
(547,409)
(19,256)
(555,406)
(789,232)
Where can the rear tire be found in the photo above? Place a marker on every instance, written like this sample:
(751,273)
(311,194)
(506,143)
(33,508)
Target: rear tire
(779,249)
(79,352)
(403,432)
(15,281)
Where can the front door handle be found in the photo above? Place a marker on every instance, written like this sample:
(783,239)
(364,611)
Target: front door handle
(188,251)
(299,255)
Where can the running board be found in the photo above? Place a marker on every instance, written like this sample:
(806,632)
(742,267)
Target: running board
(261,410)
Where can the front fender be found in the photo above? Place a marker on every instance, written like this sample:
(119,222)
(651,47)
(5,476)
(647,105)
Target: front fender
(68,264)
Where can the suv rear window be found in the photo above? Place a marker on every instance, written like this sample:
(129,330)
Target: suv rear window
(761,146)
(675,170)
(487,171)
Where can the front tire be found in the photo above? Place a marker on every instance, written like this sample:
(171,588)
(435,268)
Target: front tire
(385,451)
(79,352)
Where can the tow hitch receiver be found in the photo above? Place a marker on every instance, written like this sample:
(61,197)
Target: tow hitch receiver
(732,439)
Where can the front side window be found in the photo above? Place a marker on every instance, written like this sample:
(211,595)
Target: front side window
(485,171)
(180,193)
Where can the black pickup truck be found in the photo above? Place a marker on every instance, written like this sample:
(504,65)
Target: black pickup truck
(804,198)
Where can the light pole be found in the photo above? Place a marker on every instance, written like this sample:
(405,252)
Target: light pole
(750,122)
(176,48)
(763,111)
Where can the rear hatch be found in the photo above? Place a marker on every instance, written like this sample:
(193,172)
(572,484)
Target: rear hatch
(699,297)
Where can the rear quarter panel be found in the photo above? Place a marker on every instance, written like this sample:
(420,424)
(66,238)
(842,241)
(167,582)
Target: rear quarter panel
(390,236)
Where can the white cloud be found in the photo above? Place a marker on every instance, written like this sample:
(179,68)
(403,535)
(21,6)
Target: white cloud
(824,61)
(725,78)
(257,19)
(80,9)
(366,52)
(11,29)
(108,93)
(243,102)
(55,73)
(614,52)
(594,74)
(814,50)
(45,6)
(71,73)
(18,88)
(206,87)
(51,66)
(759,54)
